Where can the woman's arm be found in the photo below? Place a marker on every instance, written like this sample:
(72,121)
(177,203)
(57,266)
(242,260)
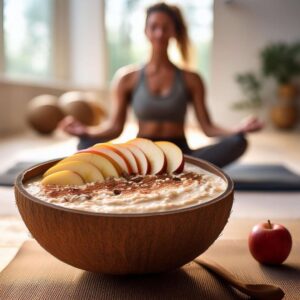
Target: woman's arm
(121,91)
(115,124)
(197,91)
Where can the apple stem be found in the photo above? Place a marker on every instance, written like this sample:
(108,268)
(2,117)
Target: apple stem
(270,224)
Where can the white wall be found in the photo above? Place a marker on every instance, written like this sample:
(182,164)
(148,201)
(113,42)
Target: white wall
(241,29)
(88,63)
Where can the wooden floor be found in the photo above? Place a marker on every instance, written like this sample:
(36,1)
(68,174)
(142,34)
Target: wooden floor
(268,146)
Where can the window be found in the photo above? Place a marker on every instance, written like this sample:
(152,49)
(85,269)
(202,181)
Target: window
(38,42)
(125,32)
(28,36)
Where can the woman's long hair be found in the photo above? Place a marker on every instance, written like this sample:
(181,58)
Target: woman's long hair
(181,33)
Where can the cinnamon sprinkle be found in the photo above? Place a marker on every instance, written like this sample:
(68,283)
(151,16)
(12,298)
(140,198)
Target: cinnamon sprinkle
(126,185)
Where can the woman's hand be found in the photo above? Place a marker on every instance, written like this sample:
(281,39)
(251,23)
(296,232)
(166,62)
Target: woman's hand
(250,124)
(73,127)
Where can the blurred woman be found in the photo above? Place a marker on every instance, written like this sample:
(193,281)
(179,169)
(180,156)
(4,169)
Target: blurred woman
(159,93)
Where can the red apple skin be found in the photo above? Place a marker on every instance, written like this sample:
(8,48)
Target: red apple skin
(270,243)
(180,168)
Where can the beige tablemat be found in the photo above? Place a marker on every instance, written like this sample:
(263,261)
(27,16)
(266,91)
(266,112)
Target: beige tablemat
(35,274)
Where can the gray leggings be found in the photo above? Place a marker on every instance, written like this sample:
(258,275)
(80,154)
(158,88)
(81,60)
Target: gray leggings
(222,153)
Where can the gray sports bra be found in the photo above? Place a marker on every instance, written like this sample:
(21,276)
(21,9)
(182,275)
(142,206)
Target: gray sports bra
(171,107)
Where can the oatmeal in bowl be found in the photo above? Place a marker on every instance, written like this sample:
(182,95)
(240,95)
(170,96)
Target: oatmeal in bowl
(135,193)
(138,207)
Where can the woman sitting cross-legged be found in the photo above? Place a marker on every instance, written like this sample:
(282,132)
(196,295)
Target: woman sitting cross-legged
(159,93)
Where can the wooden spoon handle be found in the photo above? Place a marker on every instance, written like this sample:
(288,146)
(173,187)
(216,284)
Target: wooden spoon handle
(254,290)
(219,270)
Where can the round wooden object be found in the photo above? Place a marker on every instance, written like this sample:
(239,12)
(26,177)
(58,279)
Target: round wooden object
(124,243)
(287,91)
(284,116)
(82,106)
(43,113)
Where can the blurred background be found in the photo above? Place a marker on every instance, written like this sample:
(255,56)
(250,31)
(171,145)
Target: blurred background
(51,46)
(247,52)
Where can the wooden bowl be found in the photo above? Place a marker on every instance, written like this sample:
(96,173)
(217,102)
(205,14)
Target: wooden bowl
(124,243)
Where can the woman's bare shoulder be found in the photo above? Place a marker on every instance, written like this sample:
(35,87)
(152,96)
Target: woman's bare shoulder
(192,77)
(194,84)
(128,75)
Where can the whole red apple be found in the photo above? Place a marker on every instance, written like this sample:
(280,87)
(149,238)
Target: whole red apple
(270,243)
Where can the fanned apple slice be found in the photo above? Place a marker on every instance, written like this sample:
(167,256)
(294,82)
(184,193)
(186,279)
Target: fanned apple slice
(116,149)
(141,159)
(63,178)
(96,152)
(86,170)
(102,163)
(127,156)
(154,154)
(174,156)
(114,156)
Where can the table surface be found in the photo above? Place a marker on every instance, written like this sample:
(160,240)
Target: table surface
(22,279)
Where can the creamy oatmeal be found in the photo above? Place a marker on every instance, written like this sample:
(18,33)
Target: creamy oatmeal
(135,194)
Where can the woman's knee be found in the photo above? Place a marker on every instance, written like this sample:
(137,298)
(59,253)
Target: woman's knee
(240,142)
(243,141)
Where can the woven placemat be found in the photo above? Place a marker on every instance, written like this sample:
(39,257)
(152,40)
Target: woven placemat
(35,274)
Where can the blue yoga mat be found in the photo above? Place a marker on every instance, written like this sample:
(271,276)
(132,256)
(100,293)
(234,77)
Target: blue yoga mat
(263,178)
(9,176)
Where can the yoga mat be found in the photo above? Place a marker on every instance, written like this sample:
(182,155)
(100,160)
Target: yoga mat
(263,178)
(35,274)
(9,176)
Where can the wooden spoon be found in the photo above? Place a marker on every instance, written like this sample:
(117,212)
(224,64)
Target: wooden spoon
(257,291)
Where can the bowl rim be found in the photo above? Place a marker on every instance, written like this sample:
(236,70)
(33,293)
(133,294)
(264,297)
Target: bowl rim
(19,185)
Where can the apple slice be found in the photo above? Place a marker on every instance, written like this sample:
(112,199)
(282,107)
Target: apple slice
(86,170)
(96,152)
(63,178)
(154,154)
(127,156)
(112,154)
(141,159)
(174,156)
(102,163)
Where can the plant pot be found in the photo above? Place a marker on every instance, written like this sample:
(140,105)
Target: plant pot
(287,91)
(284,114)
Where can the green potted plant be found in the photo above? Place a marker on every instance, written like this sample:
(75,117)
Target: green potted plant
(282,62)
(250,86)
